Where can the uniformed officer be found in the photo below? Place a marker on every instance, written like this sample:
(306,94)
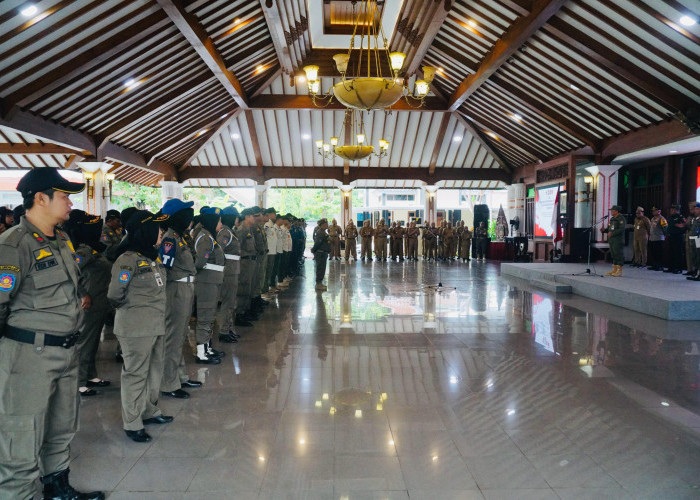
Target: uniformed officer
(657,235)
(335,232)
(270,229)
(676,237)
(244,314)
(616,233)
(441,240)
(258,303)
(412,241)
(350,241)
(228,240)
(321,249)
(178,259)
(642,227)
(449,244)
(366,233)
(392,241)
(465,244)
(40,312)
(430,241)
(400,235)
(112,233)
(482,240)
(689,242)
(209,261)
(137,291)
(694,231)
(85,231)
(380,234)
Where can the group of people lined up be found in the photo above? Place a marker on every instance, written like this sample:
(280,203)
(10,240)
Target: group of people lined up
(676,238)
(63,272)
(444,242)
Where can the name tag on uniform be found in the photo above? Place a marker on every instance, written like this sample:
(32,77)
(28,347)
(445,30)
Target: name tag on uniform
(159,279)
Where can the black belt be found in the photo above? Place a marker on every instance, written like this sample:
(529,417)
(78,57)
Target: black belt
(248,257)
(28,336)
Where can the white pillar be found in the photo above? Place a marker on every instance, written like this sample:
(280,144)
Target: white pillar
(345,205)
(516,206)
(430,197)
(171,190)
(261,196)
(605,185)
(96,194)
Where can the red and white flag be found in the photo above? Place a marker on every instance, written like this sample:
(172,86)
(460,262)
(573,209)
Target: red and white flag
(556,228)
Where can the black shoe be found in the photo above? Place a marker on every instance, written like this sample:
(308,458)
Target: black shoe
(139,436)
(191,383)
(160,419)
(101,383)
(57,487)
(213,353)
(677,271)
(118,357)
(240,321)
(250,315)
(227,338)
(208,361)
(88,393)
(177,394)
(668,270)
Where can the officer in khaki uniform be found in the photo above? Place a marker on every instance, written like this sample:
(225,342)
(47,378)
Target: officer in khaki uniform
(642,226)
(39,318)
(412,233)
(178,259)
(392,241)
(112,233)
(335,233)
(350,241)
(366,233)
(137,291)
(231,245)
(244,314)
(209,260)
(257,302)
(321,249)
(400,235)
(95,272)
(694,231)
(430,241)
(380,234)
(465,244)
(616,233)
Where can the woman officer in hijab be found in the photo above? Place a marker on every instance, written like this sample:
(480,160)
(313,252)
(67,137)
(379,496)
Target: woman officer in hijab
(95,270)
(137,291)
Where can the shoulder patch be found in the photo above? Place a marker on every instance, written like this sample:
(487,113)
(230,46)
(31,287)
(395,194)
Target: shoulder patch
(78,259)
(7,282)
(124,276)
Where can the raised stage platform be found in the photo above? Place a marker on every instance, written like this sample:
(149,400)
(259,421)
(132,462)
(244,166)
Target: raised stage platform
(666,296)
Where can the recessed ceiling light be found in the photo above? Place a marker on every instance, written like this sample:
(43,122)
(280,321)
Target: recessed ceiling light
(457,138)
(687,21)
(573,87)
(259,67)
(236,21)
(224,115)
(301,78)
(235,136)
(673,151)
(472,23)
(306,137)
(665,403)
(30,10)
(516,117)
(510,411)
(203,131)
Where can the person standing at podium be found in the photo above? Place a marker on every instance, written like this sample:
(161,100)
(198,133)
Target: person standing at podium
(616,233)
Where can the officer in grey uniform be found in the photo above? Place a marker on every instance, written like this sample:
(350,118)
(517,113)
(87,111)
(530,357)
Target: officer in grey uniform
(95,272)
(39,319)
(178,259)
(137,291)
(112,233)
(258,303)
(229,242)
(321,249)
(209,261)
(244,314)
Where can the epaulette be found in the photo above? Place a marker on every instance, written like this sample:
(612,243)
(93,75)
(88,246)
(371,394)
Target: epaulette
(13,236)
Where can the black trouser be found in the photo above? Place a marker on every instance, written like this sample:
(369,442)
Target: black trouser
(655,253)
(321,261)
(676,243)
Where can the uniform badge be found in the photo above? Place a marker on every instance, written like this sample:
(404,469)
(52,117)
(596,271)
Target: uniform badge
(167,247)
(78,259)
(159,279)
(38,238)
(42,253)
(70,245)
(124,276)
(207,255)
(142,263)
(7,282)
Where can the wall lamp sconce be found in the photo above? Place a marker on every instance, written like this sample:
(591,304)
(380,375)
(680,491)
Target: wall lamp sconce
(89,184)
(107,190)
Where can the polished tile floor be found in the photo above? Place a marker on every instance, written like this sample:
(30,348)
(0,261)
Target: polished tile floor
(381,389)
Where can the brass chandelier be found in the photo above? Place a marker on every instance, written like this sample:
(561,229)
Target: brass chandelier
(357,149)
(367,92)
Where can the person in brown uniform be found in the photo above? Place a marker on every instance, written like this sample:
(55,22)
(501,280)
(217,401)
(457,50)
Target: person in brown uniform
(366,233)
(40,312)
(412,233)
(441,252)
(642,226)
(231,245)
(350,241)
(449,245)
(392,241)
(400,235)
(465,244)
(335,232)
(429,241)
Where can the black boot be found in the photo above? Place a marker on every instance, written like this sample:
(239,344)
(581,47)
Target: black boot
(57,487)
(228,338)
(241,321)
(213,353)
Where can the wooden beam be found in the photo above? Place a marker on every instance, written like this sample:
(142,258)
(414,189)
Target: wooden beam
(421,174)
(618,64)
(253,133)
(437,19)
(439,141)
(72,159)
(505,137)
(114,152)
(211,134)
(36,149)
(87,60)
(517,35)
(479,137)
(652,136)
(549,114)
(274,24)
(267,83)
(202,43)
(283,101)
(522,7)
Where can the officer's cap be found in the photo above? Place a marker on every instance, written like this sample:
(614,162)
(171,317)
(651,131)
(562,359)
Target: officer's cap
(270,210)
(640,209)
(80,217)
(654,209)
(230,210)
(203,208)
(617,208)
(174,205)
(255,210)
(697,205)
(112,214)
(44,178)
(676,206)
(322,221)
(210,211)
(245,212)
(126,214)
